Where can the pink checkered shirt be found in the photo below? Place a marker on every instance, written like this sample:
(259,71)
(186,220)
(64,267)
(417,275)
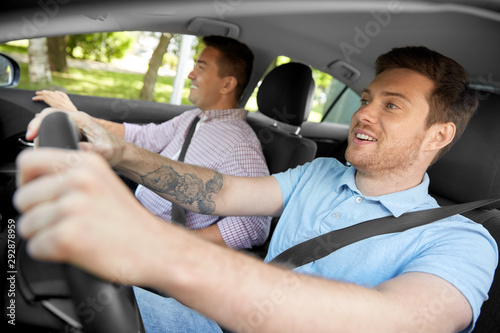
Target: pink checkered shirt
(223,141)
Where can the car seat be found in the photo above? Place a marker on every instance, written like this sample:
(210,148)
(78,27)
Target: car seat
(284,99)
(471,171)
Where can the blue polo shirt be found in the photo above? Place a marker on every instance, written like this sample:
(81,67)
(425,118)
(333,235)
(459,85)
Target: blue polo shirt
(322,196)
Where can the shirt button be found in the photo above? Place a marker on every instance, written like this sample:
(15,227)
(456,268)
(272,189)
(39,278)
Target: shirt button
(359,199)
(336,215)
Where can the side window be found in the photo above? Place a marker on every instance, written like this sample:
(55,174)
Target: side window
(128,64)
(334,102)
(341,103)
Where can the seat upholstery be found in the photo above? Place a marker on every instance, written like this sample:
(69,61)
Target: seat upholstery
(284,100)
(471,171)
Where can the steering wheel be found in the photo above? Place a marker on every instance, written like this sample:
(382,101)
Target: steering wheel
(97,305)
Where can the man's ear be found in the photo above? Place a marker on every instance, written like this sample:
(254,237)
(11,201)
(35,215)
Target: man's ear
(228,85)
(440,135)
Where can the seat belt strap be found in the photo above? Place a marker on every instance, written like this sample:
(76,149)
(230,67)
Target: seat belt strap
(321,246)
(178,213)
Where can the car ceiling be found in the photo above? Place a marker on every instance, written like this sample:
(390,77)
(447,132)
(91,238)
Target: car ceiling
(316,32)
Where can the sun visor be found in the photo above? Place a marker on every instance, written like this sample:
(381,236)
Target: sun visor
(202,26)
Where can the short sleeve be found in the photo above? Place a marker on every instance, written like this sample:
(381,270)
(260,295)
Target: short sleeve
(316,171)
(289,179)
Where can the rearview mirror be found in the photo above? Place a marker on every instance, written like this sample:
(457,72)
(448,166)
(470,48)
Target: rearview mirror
(10,72)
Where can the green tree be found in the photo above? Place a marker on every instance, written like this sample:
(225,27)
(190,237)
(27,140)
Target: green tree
(100,46)
(322,80)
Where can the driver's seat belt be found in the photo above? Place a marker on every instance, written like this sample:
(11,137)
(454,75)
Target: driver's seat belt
(321,246)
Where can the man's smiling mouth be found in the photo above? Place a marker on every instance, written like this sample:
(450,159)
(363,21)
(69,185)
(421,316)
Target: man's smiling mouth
(365,137)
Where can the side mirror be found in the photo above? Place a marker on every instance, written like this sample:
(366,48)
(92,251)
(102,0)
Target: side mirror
(10,72)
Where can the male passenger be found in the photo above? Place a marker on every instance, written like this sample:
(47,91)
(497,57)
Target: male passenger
(223,140)
(433,278)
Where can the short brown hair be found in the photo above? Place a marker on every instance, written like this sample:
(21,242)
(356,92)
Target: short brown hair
(236,60)
(452,100)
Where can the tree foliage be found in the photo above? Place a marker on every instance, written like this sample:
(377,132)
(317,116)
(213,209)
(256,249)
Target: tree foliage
(100,46)
(322,80)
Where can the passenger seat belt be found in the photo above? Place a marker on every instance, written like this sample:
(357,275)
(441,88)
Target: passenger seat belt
(178,213)
(321,246)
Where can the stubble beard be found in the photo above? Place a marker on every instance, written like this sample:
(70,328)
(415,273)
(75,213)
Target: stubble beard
(387,161)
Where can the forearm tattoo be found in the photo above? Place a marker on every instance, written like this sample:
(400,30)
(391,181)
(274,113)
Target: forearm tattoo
(186,189)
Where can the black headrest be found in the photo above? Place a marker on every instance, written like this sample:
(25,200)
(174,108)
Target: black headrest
(471,169)
(286,93)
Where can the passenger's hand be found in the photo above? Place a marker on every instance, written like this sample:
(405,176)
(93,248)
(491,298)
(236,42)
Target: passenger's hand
(99,140)
(55,99)
(75,209)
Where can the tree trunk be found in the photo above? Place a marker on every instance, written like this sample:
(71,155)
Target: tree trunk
(39,69)
(148,88)
(57,54)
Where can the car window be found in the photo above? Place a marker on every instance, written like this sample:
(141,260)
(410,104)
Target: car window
(333,102)
(110,64)
(115,65)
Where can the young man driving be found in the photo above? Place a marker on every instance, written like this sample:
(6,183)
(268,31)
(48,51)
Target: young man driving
(433,278)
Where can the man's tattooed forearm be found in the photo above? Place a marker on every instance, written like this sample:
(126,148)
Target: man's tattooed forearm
(186,189)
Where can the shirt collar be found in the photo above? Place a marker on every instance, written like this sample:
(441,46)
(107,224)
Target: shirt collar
(397,203)
(224,115)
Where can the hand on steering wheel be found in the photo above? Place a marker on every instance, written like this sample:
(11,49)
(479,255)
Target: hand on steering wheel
(118,311)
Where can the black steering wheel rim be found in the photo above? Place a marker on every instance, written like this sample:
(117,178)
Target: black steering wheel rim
(98,306)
